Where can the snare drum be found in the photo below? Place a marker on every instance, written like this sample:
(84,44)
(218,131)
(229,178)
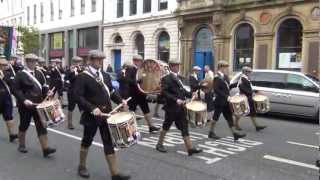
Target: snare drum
(261,103)
(239,105)
(50,113)
(123,129)
(197,113)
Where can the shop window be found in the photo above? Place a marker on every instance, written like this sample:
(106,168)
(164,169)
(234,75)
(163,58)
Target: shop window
(88,38)
(164,46)
(139,45)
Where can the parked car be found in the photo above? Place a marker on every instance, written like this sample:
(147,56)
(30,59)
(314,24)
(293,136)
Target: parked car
(290,93)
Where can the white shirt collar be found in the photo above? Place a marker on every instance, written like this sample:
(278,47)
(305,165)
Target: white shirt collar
(94,70)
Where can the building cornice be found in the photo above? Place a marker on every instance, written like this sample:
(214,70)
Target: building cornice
(11,16)
(140,20)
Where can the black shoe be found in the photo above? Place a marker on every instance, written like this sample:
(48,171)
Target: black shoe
(83,172)
(13,137)
(238,128)
(259,128)
(22,149)
(194,151)
(237,136)
(120,177)
(153,129)
(48,151)
(161,148)
(70,127)
(213,135)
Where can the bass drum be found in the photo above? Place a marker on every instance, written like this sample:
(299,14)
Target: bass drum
(149,75)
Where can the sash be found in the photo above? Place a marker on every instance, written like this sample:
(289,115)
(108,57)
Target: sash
(33,78)
(42,74)
(99,82)
(11,68)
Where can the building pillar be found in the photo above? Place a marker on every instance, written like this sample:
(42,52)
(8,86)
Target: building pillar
(66,48)
(100,38)
(75,42)
(46,47)
(263,51)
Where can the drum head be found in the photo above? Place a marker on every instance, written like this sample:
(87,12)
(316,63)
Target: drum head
(120,117)
(196,106)
(259,98)
(237,99)
(46,104)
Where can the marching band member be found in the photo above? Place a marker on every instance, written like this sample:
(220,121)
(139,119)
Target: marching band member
(30,89)
(70,78)
(138,98)
(93,92)
(56,78)
(123,82)
(245,87)
(42,68)
(6,105)
(175,97)
(209,75)
(193,79)
(221,87)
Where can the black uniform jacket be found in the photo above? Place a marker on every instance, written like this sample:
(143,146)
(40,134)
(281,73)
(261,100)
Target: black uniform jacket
(222,90)
(172,90)
(90,94)
(25,87)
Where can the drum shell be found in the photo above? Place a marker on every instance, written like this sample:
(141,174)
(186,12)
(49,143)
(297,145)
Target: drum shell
(197,118)
(51,114)
(261,106)
(124,134)
(241,108)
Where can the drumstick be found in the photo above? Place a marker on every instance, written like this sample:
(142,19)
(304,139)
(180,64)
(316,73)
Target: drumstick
(115,109)
(48,95)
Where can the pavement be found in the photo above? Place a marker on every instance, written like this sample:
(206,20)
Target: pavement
(286,150)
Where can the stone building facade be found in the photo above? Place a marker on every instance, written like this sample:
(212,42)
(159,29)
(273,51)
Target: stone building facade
(278,34)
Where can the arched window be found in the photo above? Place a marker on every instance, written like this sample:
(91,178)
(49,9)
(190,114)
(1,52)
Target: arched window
(289,45)
(139,45)
(164,46)
(118,39)
(244,45)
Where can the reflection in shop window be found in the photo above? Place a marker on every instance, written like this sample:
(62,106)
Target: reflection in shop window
(139,45)
(289,45)
(244,45)
(88,38)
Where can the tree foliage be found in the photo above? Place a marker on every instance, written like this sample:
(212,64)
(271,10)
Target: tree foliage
(29,39)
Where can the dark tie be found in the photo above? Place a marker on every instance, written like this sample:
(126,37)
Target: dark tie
(32,73)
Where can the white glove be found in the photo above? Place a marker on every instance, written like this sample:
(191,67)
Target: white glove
(97,112)
(28,102)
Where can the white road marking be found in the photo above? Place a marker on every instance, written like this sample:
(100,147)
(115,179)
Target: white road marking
(70,136)
(301,144)
(288,161)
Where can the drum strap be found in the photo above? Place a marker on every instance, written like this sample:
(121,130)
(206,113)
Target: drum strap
(33,78)
(102,80)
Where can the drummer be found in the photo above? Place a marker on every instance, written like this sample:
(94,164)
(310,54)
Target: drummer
(70,78)
(221,85)
(30,89)
(93,92)
(175,98)
(138,97)
(56,77)
(6,105)
(245,87)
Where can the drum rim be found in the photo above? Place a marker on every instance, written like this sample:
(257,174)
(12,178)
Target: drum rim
(109,119)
